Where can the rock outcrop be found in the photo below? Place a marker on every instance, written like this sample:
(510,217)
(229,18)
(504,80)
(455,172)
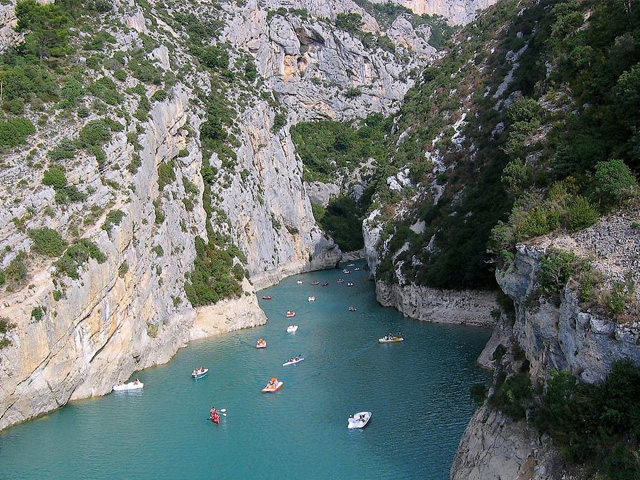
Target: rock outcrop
(562,335)
(439,306)
(456,11)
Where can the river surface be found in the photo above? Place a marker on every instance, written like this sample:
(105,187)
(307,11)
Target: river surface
(417,390)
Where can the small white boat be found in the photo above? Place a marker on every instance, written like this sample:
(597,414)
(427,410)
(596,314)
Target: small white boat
(311,299)
(359,420)
(390,339)
(124,387)
(293,360)
(199,372)
(292,328)
(290,314)
(299,282)
(346,272)
(351,265)
(357,269)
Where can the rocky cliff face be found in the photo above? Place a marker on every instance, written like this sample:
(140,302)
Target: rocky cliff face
(77,337)
(456,11)
(439,306)
(554,336)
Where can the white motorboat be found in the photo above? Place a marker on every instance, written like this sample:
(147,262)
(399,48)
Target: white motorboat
(292,328)
(293,360)
(124,387)
(359,420)
(311,299)
(199,372)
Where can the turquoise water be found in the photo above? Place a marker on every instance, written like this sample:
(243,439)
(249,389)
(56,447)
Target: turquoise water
(418,392)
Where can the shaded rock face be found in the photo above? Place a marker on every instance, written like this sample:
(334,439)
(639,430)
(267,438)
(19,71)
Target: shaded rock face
(440,306)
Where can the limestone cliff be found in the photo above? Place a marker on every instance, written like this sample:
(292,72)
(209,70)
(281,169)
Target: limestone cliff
(140,198)
(456,11)
(563,335)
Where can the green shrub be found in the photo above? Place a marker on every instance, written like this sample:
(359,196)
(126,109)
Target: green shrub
(166,174)
(65,150)
(47,241)
(557,267)
(114,217)
(37,313)
(54,177)
(76,256)
(95,133)
(123,269)
(15,131)
(614,183)
(159,96)
(279,121)
(514,396)
(6,325)
(106,90)
(159,213)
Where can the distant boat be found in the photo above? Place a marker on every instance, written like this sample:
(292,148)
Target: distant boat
(214,416)
(359,420)
(390,339)
(199,372)
(290,313)
(293,360)
(345,271)
(315,282)
(299,282)
(357,269)
(273,386)
(292,328)
(311,299)
(261,343)
(350,284)
(124,387)
(325,284)
(351,265)
(352,308)
(266,297)
(340,280)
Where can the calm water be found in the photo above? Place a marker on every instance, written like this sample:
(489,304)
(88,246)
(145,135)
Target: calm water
(418,392)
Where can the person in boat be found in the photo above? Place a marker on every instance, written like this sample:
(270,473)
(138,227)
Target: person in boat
(136,382)
(399,333)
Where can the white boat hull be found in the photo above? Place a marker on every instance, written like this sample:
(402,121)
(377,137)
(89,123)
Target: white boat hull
(128,386)
(292,328)
(359,420)
(293,362)
(391,340)
(200,374)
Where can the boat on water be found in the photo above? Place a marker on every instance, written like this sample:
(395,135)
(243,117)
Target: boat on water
(351,265)
(389,338)
(214,416)
(359,420)
(357,269)
(340,280)
(324,284)
(299,282)
(273,386)
(350,284)
(311,299)
(125,387)
(315,282)
(261,343)
(352,308)
(290,314)
(292,328)
(266,297)
(199,372)
(346,272)
(293,360)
